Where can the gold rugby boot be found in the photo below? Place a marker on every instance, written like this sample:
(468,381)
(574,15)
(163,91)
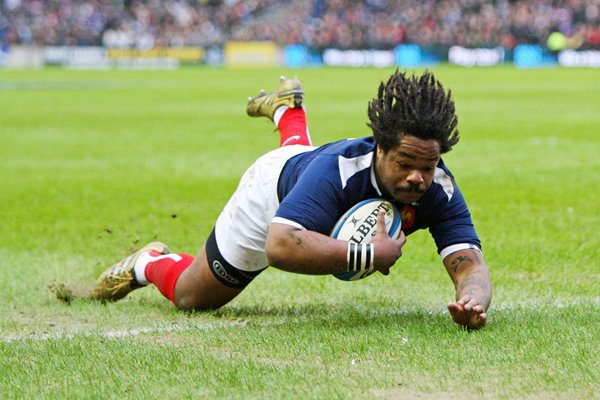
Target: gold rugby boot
(289,93)
(117,281)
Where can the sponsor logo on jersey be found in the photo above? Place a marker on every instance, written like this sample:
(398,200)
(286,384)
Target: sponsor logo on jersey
(222,272)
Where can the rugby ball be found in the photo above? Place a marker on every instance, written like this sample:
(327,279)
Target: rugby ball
(359,225)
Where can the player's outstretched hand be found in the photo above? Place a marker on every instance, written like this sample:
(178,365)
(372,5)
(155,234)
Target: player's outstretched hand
(387,250)
(468,312)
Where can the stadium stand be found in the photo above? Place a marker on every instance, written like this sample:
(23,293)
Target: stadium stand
(343,24)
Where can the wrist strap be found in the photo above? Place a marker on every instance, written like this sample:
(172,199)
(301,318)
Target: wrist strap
(360,256)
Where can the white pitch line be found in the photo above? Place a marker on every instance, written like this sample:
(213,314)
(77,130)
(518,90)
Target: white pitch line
(131,332)
(119,333)
(535,305)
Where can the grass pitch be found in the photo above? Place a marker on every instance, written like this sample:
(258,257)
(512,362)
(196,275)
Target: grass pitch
(96,163)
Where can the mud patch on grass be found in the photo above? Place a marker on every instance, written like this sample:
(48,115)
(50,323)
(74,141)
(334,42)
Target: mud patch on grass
(68,294)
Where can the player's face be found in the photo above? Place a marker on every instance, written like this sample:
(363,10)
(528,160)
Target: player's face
(406,171)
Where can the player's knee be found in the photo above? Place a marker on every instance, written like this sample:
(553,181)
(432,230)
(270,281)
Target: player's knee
(187,304)
(190,303)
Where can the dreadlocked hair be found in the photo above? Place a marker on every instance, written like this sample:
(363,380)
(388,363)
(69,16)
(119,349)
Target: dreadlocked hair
(413,106)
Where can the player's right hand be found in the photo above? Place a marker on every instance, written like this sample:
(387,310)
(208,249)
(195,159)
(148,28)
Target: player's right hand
(387,250)
(468,312)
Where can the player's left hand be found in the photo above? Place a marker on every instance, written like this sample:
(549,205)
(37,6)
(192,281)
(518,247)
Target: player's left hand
(469,312)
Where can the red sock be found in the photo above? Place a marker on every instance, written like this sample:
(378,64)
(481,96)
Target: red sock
(164,273)
(293,129)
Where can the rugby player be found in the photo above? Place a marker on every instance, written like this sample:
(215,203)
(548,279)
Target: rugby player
(288,201)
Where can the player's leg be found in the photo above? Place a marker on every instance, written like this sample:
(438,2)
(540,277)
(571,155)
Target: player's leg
(199,289)
(211,281)
(189,283)
(284,107)
(292,126)
(202,283)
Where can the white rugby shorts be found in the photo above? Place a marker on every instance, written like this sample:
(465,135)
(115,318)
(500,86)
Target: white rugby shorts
(241,229)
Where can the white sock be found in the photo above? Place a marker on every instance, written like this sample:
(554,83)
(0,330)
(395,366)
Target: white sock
(140,267)
(278,114)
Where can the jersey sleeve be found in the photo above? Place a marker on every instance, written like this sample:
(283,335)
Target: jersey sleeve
(315,201)
(453,226)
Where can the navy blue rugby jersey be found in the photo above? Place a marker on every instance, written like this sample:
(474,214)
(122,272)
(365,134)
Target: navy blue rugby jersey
(316,188)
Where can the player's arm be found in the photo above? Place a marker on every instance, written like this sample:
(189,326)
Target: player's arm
(307,252)
(471,278)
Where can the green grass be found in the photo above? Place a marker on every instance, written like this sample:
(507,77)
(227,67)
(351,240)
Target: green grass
(96,163)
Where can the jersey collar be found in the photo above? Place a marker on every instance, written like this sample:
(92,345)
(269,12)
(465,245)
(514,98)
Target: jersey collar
(373,179)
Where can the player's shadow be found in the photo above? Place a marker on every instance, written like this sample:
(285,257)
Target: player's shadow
(336,314)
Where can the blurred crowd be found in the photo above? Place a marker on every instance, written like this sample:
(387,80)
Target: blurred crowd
(342,24)
(124,23)
(469,23)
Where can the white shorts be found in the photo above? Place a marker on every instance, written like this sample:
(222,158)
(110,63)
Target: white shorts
(242,227)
